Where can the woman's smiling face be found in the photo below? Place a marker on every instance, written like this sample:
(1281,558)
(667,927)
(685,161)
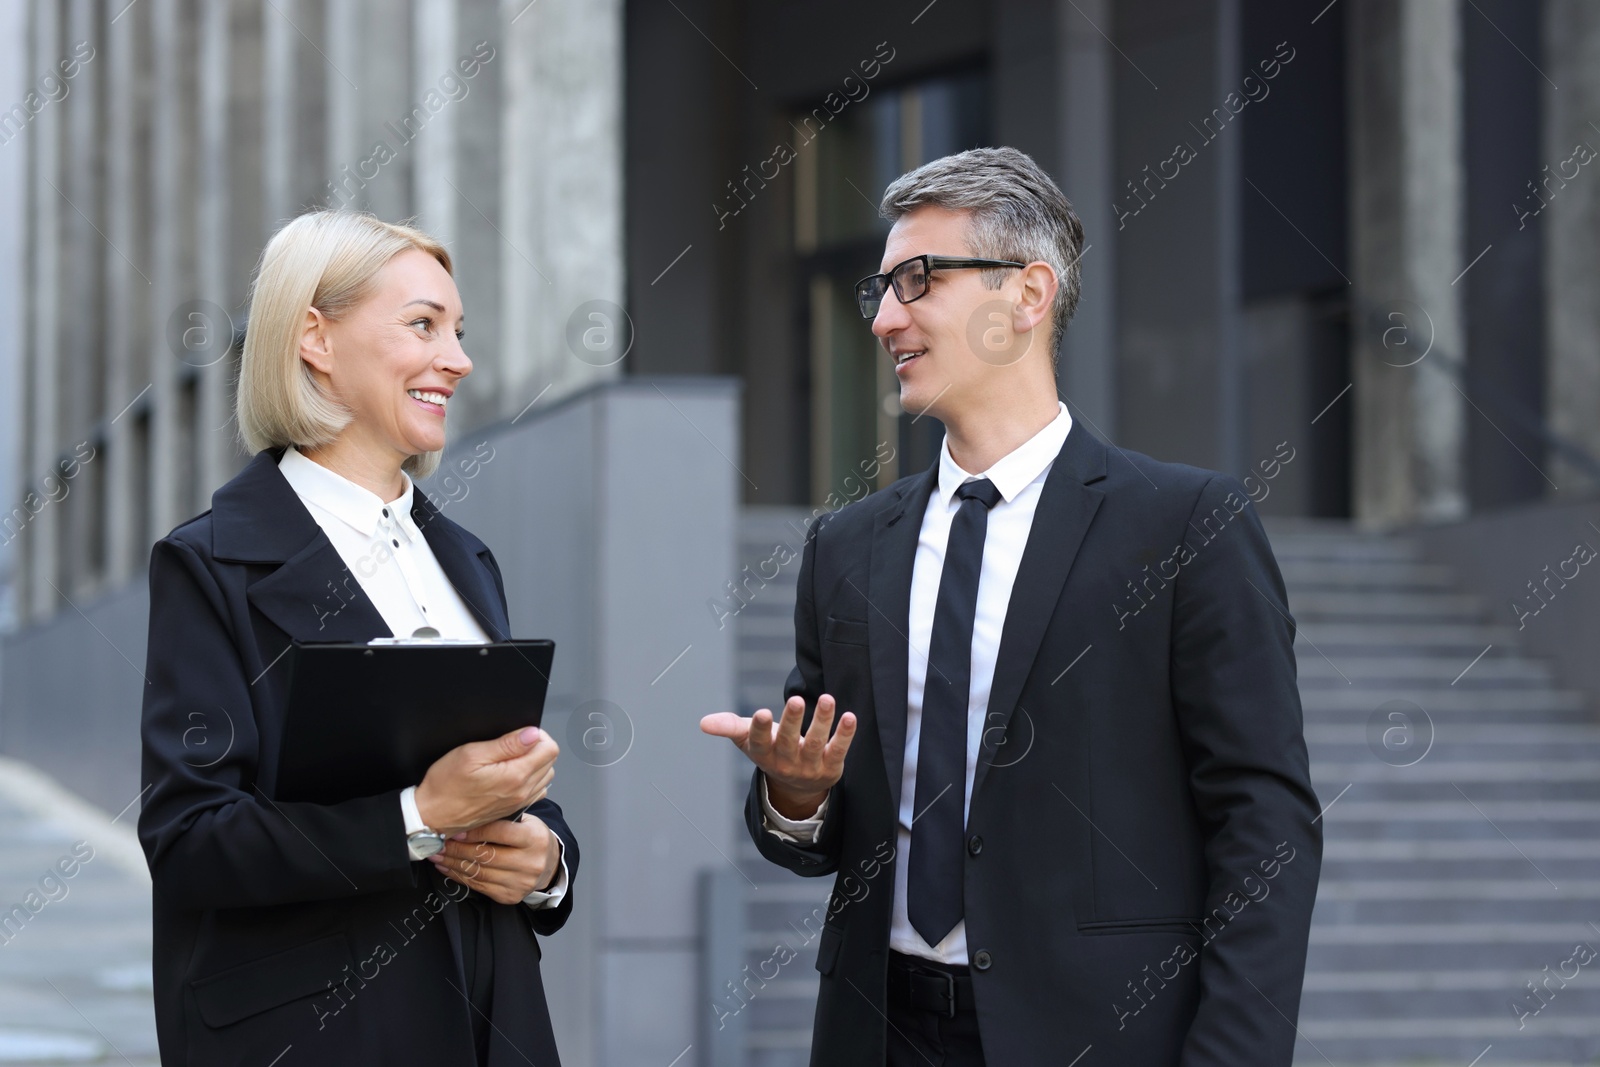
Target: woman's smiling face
(395,359)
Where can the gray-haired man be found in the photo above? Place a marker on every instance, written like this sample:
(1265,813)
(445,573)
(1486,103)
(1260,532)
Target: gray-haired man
(1067,800)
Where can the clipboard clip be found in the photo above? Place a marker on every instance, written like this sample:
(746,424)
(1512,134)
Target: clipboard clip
(424,635)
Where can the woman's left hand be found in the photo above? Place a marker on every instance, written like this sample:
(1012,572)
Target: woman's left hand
(504,860)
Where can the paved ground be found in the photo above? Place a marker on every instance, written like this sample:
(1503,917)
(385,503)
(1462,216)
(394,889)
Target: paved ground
(74,948)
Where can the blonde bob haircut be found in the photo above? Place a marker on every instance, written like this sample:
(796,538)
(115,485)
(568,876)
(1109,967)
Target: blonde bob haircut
(325,260)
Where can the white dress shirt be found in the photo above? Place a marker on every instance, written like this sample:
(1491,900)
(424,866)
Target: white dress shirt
(386,552)
(1020,478)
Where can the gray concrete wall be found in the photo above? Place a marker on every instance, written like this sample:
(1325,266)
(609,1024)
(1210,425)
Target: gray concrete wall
(1499,554)
(70,691)
(612,516)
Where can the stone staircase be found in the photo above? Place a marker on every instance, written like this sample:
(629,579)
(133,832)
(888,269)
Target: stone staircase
(1462,797)
(1462,826)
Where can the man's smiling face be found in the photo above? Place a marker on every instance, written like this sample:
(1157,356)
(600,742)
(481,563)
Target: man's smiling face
(931,339)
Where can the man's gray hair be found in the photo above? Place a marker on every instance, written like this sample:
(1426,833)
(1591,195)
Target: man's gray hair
(1016,212)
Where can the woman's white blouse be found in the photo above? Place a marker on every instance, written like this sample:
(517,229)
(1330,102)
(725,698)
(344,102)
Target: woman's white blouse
(384,550)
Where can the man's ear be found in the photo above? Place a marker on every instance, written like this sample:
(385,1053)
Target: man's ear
(316,345)
(1036,297)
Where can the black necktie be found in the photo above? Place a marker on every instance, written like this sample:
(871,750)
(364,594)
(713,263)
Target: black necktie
(934,880)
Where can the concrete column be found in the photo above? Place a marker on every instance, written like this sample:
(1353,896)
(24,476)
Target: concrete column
(388,98)
(1088,370)
(561,198)
(173,204)
(126,293)
(475,210)
(1231,429)
(278,39)
(14,269)
(1406,240)
(1572,232)
(85,263)
(38,559)
(214,430)
(434,161)
(344,151)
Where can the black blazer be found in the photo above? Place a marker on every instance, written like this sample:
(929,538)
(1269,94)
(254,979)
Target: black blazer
(1142,850)
(299,924)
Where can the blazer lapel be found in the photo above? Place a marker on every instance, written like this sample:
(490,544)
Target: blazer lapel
(314,597)
(311,595)
(894,550)
(1066,508)
(465,561)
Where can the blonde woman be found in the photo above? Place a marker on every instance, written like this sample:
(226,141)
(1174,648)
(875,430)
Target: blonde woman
(399,928)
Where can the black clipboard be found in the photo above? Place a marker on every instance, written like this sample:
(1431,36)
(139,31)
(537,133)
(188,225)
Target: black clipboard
(365,719)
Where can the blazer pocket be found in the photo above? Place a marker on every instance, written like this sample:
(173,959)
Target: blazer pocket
(828,949)
(845,631)
(1177,925)
(239,992)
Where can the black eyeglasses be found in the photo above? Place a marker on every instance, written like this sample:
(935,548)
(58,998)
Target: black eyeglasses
(910,279)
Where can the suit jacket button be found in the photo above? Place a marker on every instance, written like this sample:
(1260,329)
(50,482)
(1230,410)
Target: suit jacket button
(974,844)
(982,960)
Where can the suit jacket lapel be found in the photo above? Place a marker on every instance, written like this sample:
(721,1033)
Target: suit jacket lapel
(311,595)
(1067,506)
(465,561)
(894,550)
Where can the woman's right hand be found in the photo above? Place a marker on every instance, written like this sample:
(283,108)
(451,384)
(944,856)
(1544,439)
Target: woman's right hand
(483,781)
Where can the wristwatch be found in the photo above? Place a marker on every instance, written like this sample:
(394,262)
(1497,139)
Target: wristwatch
(425,843)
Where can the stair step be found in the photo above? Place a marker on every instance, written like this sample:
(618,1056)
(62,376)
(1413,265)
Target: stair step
(1381,638)
(1318,606)
(1464,771)
(1392,669)
(1365,574)
(1531,888)
(1536,849)
(1447,699)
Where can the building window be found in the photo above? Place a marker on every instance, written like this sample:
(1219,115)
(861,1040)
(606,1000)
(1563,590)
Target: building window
(841,172)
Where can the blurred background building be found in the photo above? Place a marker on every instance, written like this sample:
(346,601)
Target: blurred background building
(1361,233)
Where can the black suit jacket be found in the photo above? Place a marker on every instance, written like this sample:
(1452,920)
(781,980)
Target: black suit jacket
(300,924)
(1143,847)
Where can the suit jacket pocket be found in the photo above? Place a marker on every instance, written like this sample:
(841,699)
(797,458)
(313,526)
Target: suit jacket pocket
(1172,924)
(239,992)
(828,948)
(845,631)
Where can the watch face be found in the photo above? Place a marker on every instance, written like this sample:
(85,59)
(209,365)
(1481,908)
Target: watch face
(424,844)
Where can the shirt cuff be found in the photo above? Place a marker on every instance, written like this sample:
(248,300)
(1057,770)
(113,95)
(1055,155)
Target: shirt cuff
(795,831)
(409,812)
(552,897)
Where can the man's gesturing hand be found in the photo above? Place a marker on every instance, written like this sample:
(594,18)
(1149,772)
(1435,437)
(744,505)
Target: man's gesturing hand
(800,768)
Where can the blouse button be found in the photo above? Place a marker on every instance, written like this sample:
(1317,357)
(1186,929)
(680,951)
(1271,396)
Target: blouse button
(397,544)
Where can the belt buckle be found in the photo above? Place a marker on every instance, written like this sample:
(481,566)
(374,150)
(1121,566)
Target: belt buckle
(950,993)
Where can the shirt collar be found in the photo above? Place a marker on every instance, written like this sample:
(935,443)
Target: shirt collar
(1016,470)
(354,505)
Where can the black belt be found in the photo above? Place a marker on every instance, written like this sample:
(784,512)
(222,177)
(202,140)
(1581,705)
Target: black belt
(929,986)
